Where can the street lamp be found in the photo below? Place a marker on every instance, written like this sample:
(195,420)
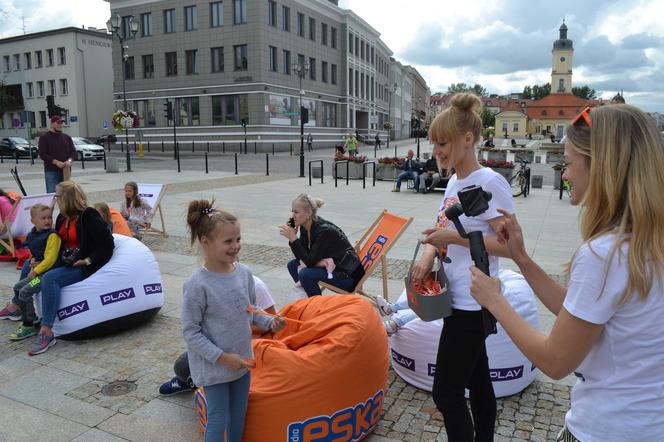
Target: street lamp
(130,29)
(301,71)
(417,126)
(389,111)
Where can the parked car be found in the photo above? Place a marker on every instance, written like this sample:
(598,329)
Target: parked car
(111,138)
(87,149)
(18,147)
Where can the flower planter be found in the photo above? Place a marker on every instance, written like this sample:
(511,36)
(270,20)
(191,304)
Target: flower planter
(386,172)
(354,170)
(505,172)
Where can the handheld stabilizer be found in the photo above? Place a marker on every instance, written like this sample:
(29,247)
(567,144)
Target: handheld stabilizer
(474,201)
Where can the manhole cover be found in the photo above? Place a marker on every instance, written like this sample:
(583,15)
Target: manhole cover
(118,388)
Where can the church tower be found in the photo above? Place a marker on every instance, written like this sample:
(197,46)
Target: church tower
(561,75)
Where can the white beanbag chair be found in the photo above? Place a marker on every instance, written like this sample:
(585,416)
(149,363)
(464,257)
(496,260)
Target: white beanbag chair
(125,293)
(415,345)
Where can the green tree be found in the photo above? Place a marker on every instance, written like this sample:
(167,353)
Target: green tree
(542,91)
(457,87)
(476,89)
(479,90)
(584,92)
(527,92)
(488,118)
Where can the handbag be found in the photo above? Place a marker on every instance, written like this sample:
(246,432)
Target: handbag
(428,307)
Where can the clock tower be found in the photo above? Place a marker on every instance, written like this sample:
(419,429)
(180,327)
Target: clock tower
(561,75)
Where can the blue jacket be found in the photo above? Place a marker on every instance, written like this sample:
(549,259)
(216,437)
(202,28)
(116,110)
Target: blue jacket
(36,242)
(410,165)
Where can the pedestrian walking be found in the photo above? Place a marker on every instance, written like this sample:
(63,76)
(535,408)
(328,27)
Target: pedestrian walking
(57,150)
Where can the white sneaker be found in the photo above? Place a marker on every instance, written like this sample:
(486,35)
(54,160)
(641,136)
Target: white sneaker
(391,326)
(384,307)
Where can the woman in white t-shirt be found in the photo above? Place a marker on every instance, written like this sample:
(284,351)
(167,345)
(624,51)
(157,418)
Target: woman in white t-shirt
(609,328)
(462,359)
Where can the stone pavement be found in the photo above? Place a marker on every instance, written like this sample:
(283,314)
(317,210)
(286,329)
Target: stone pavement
(58,395)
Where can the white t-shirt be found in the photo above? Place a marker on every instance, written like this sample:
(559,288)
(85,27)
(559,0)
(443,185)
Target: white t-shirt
(619,394)
(458,271)
(263,296)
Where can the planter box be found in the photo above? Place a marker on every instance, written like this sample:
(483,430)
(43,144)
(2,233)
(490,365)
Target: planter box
(507,173)
(386,172)
(354,170)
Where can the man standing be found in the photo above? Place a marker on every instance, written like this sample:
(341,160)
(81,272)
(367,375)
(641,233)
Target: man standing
(377,140)
(57,150)
(310,142)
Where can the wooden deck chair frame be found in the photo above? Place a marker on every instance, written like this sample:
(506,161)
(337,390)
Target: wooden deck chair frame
(382,259)
(9,243)
(156,208)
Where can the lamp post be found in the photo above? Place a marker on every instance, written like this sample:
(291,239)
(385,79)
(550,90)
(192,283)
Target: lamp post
(417,126)
(389,111)
(130,29)
(301,71)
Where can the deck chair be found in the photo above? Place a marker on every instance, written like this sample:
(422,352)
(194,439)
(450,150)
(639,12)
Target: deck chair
(17,224)
(153,193)
(373,246)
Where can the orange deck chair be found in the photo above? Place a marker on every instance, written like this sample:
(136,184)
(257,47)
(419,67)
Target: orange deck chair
(17,224)
(373,246)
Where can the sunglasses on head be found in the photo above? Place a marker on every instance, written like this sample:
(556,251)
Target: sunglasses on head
(585,115)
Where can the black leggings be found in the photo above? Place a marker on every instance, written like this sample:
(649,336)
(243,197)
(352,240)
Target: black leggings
(462,363)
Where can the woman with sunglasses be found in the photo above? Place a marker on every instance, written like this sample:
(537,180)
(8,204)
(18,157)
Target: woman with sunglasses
(609,328)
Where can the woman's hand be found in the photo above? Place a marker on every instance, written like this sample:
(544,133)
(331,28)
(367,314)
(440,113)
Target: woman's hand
(509,232)
(421,269)
(277,324)
(235,362)
(485,290)
(288,232)
(79,263)
(439,238)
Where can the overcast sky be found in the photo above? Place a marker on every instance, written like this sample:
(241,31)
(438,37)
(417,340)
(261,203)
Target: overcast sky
(501,44)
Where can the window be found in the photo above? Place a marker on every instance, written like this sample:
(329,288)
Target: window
(191,67)
(216,14)
(27,58)
(62,59)
(273,59)
(272,13)
(7,63)
(312,29)
(515,127)
(362,85)
(561,85)
(39,62)
(323,34)
(372,89)
(64,87)
(287,62)
(323,68)
(350,43)
(188,110)
(146,24)
(229,109)
(129,68)
(372,55)
(329,115)
(29,90)
(300,24)
(51,87)
(17,62)
(148,66)
(357,80)
(333,38)
(169,21)
(171,64)
(145,111)
(300,60)
(333,74)
(217,59)
(362,50)
(350,81)
(49,57)
(42,118)
(357,46)
(126,29)
(504,127)
(285,18)
(312,68)
(240,57)
(190,20)
(40,89)
(239,12)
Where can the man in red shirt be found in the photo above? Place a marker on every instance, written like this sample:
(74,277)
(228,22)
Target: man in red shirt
(57,150)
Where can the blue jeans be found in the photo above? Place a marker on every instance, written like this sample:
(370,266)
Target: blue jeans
(226,409)
(24,274)
(52,283)
(409,174)
(309,278)
(404,319)
(53,178)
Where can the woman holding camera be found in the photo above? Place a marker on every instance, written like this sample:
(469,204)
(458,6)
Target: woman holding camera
(87,245)
(609,328)
(462,360)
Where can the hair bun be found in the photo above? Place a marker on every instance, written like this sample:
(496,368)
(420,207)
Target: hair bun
(319,202)
(466,102)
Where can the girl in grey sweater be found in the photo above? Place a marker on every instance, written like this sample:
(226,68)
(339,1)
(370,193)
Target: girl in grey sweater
(215,322)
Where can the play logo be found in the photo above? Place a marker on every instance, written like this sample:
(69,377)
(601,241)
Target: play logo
(73,309)
(506,374)
(404,361)
(120,295)
(151,289)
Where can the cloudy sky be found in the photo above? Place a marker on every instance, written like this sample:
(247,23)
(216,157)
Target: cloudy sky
(501,44)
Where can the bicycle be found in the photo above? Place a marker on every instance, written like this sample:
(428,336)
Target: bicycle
(565,185)
(520,182)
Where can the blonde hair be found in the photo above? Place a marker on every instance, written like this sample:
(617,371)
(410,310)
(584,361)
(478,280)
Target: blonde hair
(202,218)
(38,208)
(461,117)
(104,211)
(309,201)
(71,200)
(626,157)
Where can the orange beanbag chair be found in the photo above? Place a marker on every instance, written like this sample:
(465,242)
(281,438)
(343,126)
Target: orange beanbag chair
(324,380)
(120,225)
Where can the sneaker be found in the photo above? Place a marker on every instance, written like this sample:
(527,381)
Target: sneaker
(396,189)
(174,386)
(12,316)
(384,307)
(43,343)
(23,332)
(391,326)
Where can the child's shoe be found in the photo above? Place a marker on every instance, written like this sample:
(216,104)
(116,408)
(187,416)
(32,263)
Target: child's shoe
(384,307)
(175,386)
(391,326)
(23,332)
(42,344)
(5,313)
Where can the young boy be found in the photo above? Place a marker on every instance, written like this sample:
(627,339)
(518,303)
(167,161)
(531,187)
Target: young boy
(44,244)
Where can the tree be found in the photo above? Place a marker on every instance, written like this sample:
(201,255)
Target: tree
(540,92)
(527,93)
(476,89)
(584,92)
(457,87)
(488,118)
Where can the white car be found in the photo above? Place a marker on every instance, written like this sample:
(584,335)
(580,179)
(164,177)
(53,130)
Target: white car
(87,149)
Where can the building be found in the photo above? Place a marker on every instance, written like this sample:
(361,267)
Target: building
(401,106)
(419,100)
(222,63)
(71,64)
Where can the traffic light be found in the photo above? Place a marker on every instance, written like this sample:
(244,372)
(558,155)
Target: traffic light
(304,115)
(244,123)
(168,110)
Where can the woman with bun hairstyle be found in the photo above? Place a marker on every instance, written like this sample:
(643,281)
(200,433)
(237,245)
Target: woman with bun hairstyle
(462,360)
(319,239)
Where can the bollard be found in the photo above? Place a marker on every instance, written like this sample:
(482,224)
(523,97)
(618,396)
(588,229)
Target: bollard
(291,149)
(128,162)
(206,162)
(223,147)
(208,147)
(255,151)
(121,145)
(177,155)
(267,164)
(148,146)
(236,163)
(162,146)
(104,160)
(395,151)
(32,159)
(108,144)
(82,161)
(16,157)
(134,146)
(272,148)
(192,146)
(2,158)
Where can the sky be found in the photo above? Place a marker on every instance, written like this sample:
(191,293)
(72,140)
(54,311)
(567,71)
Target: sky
(503,45)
